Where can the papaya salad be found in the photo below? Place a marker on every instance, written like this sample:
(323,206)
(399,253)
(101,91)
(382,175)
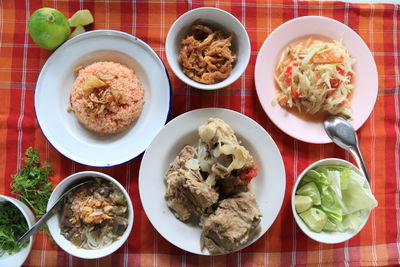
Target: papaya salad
(315,76)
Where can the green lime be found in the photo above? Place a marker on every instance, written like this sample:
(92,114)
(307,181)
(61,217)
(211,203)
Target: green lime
(81,17)
(49,28)
(79,29)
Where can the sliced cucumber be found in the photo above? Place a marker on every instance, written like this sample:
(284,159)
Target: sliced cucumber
(302,203)
(315,219)
(330,226)
(310,190)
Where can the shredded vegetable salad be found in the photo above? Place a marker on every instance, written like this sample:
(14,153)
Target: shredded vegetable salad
(315,76)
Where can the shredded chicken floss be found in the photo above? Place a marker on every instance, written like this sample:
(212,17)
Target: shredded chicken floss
(209,184)
(206,56)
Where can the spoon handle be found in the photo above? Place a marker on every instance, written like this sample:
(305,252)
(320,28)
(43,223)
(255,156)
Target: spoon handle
(356,153)
(50,213)
(39,223)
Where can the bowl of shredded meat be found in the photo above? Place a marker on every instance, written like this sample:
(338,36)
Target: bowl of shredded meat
(208,48)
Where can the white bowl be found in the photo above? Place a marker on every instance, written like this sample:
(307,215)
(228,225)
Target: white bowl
(222,20)
(54,222)
(17,259)
(326,237)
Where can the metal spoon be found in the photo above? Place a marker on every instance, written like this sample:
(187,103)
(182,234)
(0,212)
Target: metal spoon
(344,135)
(49,214)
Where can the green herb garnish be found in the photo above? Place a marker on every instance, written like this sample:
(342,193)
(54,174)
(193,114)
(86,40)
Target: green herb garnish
(32,184)
(12,226)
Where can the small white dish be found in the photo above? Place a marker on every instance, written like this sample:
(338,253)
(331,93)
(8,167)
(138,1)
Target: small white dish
(326,237)
(366,75)
(54,222)
(221,20)
(18,258)
(268,186)
(54,85)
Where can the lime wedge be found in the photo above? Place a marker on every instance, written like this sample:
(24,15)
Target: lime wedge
(315,219)
(81,17)
(302,203)
(79,29)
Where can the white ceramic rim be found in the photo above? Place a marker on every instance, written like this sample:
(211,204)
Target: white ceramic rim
(54,227)
(178,72)
(363,102)
(325,237)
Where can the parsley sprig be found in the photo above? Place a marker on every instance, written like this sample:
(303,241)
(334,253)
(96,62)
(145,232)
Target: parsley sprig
(32,184)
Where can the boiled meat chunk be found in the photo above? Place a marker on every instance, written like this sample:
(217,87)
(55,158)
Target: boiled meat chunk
(233,224)
(187,193)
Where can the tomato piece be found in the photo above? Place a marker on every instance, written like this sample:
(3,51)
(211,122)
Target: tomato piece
(250,174)
(295,92)
(326,58)
(350,75)
(343,73)
(288,73)
(340,70)
(335,83)
(288,77)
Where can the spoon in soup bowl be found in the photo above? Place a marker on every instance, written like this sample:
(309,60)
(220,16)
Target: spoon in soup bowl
(50,213)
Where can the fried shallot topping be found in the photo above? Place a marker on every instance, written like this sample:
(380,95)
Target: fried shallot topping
(205,55)
(99,93)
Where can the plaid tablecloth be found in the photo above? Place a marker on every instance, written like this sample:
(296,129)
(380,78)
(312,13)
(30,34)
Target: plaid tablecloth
(284,243)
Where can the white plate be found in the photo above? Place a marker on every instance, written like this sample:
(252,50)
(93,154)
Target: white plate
(54,85)
(268,186)
(366,79)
